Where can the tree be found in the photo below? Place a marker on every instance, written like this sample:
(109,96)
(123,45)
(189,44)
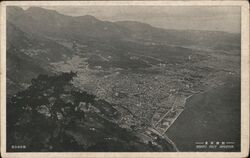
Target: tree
(40,112)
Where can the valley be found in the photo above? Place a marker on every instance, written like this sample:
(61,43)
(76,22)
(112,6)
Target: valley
(144,74)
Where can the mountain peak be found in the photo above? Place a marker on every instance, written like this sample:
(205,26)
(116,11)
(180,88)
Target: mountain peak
(88,18)
(135,25)
(14,8)
(14,11)
(40,10)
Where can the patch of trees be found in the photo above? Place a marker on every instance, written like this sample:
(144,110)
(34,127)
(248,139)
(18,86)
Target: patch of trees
(38,116)
(53,115)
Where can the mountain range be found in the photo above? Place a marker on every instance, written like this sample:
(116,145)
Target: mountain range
(78,83)
(35,35)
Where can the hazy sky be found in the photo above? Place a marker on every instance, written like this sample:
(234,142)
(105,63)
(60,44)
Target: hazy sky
(194,18)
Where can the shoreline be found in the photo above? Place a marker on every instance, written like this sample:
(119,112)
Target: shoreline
(183,124)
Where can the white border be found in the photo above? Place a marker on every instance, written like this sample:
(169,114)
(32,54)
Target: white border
(244,79)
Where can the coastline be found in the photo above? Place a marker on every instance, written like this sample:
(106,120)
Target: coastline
(214,112)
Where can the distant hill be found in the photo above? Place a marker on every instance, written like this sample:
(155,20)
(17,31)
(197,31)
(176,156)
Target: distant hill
(28,56)
(42,43)
(204,39)
(53,24)
(34,38)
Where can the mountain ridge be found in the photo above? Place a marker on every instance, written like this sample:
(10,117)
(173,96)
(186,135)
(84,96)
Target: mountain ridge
(61,25)
(42,30)
(118,21)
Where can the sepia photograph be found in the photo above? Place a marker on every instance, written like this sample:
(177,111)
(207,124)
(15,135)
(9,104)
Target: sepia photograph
(124,77)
